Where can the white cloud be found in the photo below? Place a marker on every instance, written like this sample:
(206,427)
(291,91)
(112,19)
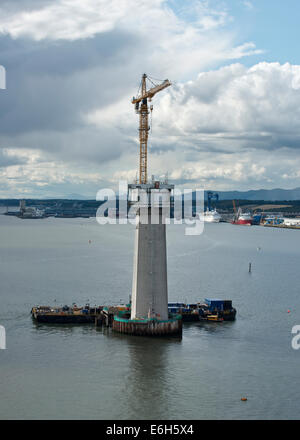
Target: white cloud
(238,172)
(232,126)
(257,106)
(228,127)
(65,19)
(74,19)
(177,44)
(39,171)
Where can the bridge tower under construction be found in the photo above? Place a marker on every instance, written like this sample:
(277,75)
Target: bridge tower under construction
(151,202)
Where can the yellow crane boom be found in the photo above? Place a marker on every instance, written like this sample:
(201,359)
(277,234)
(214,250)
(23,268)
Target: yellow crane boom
(141,107)
(150,93)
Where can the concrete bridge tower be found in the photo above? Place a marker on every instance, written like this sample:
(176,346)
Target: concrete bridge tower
(149,299)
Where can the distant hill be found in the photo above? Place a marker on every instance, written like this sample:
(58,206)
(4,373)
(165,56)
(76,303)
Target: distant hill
(277,194)
(74,196)
(270,195)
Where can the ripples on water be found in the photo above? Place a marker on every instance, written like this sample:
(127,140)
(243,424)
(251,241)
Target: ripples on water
(83,372)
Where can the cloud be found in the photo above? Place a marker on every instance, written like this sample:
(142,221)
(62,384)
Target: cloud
(74,19)
(8,158)
(230,127)
(229,109)
(236,172)
(53,79)
(72,67)
(31,173)
(252,108)
(234,126)
(64,19)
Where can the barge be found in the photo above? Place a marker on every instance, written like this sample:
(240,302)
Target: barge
(189,312)
(66,314)
(217,310)
(119,317)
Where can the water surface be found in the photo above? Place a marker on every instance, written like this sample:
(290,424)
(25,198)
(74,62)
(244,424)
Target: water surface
(82,372)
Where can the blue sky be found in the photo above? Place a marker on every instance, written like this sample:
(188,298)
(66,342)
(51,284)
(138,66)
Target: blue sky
(273,25)
(229,121)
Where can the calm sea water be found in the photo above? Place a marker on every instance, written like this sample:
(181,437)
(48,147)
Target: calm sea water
(82,372)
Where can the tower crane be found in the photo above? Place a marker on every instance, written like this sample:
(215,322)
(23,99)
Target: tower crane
(141,108)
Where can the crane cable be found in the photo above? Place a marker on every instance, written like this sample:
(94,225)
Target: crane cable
(154,79)
(150,137)
(160,80)
(151,81)
(140,86)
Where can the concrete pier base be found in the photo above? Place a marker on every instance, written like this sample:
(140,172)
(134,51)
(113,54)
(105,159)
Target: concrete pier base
(149,285)
(148,327)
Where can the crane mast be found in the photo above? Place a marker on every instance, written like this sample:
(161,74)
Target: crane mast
(141,107)
(143,130)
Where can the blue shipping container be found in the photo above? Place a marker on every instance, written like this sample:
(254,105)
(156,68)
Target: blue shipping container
(214,304)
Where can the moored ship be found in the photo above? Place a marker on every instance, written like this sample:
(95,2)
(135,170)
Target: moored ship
(210,216)
(242,218)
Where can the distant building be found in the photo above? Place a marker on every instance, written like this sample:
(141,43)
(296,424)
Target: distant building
(291,221)
(30,211)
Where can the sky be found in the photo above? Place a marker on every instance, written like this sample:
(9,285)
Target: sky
(230,120)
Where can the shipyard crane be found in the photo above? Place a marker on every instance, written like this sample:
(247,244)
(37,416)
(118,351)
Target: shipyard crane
(234,207)
(211,195)
(234,210)
(141,108)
